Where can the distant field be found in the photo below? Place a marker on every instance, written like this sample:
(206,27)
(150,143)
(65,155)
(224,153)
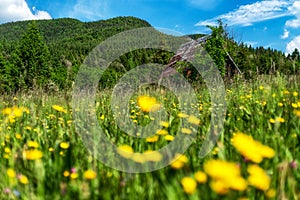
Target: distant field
(256,157)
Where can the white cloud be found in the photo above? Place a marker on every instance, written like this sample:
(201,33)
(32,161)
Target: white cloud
(295,10)
(259,11)
(90,9)
(295,43)
(285,35)
(17,10)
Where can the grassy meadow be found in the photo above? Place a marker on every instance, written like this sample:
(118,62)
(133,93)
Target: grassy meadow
(256,157)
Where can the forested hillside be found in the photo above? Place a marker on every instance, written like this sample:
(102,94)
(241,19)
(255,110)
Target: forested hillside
(48,53)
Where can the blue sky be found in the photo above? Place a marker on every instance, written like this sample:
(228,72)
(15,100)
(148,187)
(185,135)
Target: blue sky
(268,23)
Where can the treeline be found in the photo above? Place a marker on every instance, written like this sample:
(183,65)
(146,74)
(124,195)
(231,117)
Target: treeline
(48,53)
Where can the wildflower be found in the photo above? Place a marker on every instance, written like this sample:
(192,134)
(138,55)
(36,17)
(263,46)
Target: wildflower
(64,145)
(11,173)
(152,139)
(51,149)
(186,131)
(102,117)
(89,174)
(258,177)
(32,154)
(189,185)
(225,175)
(193,120)
(125,150)
(294,105)
(295,94)
(23,179)
(164,124)
(138,157)
(271,193)
(261,87)
(161,132)
(277,120)
(148,104)
(74,175)
(200,177)
(66,173)
(59,108)
(250,148)
(179,161)
(169,137)
(18,136)
(297,113)
(280,104)
(154,156)
(32,144)
(182,115)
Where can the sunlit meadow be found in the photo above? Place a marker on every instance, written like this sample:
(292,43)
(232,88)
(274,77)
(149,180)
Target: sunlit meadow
(256,157)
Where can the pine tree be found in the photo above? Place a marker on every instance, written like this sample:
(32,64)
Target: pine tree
(34,58)
(215,46)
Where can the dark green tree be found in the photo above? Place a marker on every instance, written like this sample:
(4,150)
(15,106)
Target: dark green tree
(215,46)
(34,57)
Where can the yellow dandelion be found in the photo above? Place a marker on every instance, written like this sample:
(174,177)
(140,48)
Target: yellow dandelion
(148,104)
(250,148)
(23,179)
(294,105)
(59,108)
(89,174)
(271,193)
(182,115)
(200,177)
(32,154)
(193,120)
(189,185)
(169,137)
(66,173)
(219,187)
(280,104)
(11,173)
(32,144)
(164,124)
(18,136)
(295,94)
(179,161)
(161,132)
(186,131)
(64,145)
(258,178)
(51,149)
(297,113)
(74,175)
(153,156)
(152,139)
(125,150)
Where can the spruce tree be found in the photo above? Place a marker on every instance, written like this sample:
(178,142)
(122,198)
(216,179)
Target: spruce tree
(34,58)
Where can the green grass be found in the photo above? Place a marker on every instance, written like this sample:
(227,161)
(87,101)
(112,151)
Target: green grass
(250,106)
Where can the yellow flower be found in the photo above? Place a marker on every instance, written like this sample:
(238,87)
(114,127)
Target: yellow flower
(261,87)
(200,177)
(102,117)
(152,139)
(138,157)
(271,193)
(297,113)
(295,94)
(74,175)
(164,124)
(169,137)
(59,108)
(193,120)
(11,173)
(89,174)
(18,136)
(280,104)
(250,148)
(186,131)
(125,150)
(23,179)
(179,161)
(66,173)
(294,105)
(148,104)
(64,145)
(32,144)
(258,177)
(154,156)
(161,132)
(182,115)
(32,154)
(51,149)
(225,175)
(189,185)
